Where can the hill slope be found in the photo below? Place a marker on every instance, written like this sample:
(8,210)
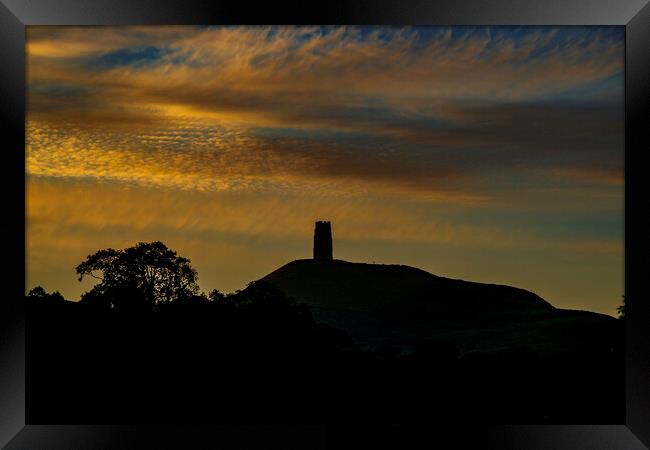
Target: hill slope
(403,306)
(377,287)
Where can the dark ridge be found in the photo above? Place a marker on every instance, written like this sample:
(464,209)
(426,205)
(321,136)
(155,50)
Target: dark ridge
(374,287)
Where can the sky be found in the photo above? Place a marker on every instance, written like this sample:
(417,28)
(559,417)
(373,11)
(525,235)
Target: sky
(491,154)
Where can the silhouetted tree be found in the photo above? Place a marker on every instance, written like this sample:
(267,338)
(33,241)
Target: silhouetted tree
(145,275)
(37,292)
(621,309)
(41,294)
(215,295)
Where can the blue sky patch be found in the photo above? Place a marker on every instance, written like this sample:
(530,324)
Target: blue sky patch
(130,56)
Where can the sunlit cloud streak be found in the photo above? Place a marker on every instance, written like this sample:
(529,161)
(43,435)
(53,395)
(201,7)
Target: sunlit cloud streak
(424,107)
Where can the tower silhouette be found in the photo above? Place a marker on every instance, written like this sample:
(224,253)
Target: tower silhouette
(323,240)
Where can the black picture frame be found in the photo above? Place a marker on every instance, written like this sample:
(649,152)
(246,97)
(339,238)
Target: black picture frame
(15,15)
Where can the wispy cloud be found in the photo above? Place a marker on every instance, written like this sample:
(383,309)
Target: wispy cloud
(207,107)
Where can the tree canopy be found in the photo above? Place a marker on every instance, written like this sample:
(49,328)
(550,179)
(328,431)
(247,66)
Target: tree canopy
(621,309)
(145,275)
(39,293)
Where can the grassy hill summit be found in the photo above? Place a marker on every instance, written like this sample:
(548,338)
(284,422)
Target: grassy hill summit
(378,287)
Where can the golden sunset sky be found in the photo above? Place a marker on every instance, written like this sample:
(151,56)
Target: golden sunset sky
(492,154)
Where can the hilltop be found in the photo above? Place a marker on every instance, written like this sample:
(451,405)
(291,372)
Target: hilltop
(403,306)
(376,287)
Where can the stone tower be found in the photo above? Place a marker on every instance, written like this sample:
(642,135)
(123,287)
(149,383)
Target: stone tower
(323,241)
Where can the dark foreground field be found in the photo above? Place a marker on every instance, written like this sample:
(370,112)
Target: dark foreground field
(262,358)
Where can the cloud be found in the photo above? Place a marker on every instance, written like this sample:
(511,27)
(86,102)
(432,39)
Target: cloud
(84,207)
(132,56)
(474,116)
(288,74)
(422,109)
(553,144)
